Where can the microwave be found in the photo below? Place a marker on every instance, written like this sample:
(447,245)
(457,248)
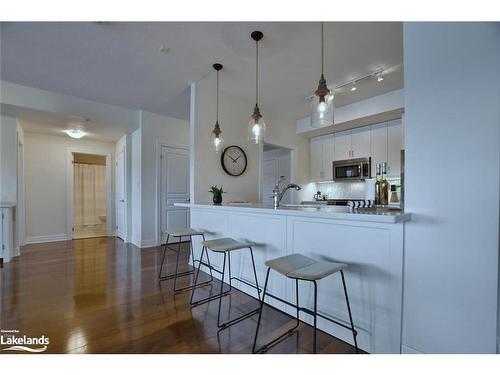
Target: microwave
(352,169)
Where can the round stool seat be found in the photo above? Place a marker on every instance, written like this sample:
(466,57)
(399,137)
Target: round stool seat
(299,266)
(225,244)
(178,232)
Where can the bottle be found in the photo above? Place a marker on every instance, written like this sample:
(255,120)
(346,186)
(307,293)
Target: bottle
(384,187)
(377,186)
(394,194)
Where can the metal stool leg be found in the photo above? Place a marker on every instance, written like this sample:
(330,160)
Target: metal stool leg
(196,276)
(164,253)
(267,346)
(354,332)
(315,315)
(177,261)
(255,273)
(260,314)
(222,288)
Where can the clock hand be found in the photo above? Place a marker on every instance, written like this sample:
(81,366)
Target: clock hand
(231,158)
(234,160)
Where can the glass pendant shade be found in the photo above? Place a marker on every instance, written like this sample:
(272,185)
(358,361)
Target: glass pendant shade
(256,130)
(216,141)
(322,111)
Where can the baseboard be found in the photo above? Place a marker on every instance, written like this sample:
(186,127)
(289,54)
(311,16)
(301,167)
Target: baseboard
(49,238)
(407,350)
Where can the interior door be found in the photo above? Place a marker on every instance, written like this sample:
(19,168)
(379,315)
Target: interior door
(120,195)
(174,189)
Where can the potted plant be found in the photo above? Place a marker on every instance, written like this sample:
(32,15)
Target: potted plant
(217,192)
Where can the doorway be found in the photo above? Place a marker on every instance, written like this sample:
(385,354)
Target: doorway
(89,196)
(276,162)
(174,188)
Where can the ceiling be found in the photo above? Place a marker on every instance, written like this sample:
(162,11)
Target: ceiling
(121,64)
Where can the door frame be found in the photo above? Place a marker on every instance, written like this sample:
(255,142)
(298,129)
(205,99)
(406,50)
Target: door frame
(293,168)
(21,203)
(159,144)
(125,192)
(69,187)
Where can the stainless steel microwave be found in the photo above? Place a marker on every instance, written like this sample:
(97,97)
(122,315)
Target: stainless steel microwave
(352,169)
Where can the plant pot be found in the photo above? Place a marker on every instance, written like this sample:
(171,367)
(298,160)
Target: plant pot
(217,199)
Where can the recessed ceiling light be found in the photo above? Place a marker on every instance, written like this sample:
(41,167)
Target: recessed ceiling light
(164,49)
(75,133)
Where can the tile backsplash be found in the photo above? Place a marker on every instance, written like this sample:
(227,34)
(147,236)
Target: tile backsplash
(346,190)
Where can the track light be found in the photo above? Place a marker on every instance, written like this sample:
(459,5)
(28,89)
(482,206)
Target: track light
(353,86)
(380,77)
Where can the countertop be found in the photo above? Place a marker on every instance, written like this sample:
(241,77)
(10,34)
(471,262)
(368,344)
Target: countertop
(328,212)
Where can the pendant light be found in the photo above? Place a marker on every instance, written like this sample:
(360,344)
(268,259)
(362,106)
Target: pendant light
(216,141)
(256,125)
(322,101)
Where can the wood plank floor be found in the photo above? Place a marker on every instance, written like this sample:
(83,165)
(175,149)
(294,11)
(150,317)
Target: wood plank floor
(102,296)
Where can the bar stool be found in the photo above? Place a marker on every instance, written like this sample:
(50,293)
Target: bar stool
(179,233)
(225,246)
(300,267)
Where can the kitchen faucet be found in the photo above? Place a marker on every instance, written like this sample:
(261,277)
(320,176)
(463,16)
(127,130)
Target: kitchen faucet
(278,195)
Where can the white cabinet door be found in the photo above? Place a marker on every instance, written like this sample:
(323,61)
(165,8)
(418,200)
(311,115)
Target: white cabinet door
(360,143)
(316,153)
(394,147)
(328,156)
(379,145)
(342,145)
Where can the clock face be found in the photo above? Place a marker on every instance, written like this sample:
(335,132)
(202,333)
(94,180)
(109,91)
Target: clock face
(234,161)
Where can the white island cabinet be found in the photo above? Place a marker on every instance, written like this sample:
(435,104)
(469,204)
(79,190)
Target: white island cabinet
(370,243)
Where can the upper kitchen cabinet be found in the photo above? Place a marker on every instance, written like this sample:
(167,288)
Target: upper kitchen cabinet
(379,145)
(316,155)
(360,143)
(342,145)
(352,144)
(322,156)
(394,147)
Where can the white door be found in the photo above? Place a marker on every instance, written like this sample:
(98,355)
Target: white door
(379,145)
(360,143)
(269,178)
(120,195)
(174,189)
(343,145)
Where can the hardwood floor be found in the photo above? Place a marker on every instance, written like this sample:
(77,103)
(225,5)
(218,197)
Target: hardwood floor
(102,296)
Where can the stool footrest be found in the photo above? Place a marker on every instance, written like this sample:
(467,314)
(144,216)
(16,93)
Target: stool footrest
(211,298)
(172,276)
(238,319)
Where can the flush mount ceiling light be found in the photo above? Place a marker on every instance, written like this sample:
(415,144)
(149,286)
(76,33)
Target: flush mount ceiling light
(75,133)
(216,141)
(256,125)
(322,101)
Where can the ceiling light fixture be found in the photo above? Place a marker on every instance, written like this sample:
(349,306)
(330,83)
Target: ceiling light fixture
(322,102)
(216,141)
(256,125)
(75,133)
(380,77)
(353,86)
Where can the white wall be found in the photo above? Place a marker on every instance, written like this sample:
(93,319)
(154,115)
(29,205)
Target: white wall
(8,159)
(45,181)
(156,129)
(233,118)
(136,182)
(452,187)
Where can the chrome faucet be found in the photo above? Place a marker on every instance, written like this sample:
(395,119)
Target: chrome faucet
(278,195)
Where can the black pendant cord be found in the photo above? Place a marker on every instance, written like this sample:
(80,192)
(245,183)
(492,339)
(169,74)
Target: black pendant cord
(322,49)
(256,72)
(217,105)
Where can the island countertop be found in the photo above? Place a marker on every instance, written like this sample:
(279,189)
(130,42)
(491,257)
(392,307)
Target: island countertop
(331,212)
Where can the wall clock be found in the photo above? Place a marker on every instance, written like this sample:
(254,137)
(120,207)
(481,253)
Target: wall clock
(234,160)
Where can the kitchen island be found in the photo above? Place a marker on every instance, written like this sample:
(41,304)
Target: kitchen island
(370,242)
